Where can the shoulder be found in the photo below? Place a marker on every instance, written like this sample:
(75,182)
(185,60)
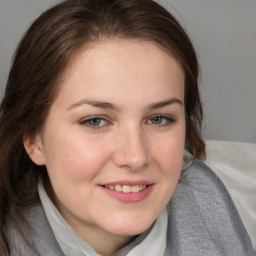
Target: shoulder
(202,215)
(202,182)
(33,239)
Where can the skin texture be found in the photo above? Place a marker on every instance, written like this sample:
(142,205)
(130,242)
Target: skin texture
(123,142)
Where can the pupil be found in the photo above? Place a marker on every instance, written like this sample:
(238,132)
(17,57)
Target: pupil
(94,121)
(157,120)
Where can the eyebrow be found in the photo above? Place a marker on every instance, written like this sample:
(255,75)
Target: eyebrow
(107,105)
(165,103)
(98,104)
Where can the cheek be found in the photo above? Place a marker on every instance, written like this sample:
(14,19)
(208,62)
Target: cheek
(169,154)
(170,160)
(75,157)
(72,167)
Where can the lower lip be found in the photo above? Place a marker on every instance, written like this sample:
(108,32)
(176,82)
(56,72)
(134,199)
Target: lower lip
(129,197)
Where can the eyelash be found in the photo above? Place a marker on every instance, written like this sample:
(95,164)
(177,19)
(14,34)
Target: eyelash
(169,120)
(85,122)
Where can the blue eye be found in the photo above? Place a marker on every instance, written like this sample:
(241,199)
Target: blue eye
(94,122)
(161,120)
(156,120)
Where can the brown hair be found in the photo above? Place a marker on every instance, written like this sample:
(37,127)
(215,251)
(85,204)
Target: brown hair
(39,62)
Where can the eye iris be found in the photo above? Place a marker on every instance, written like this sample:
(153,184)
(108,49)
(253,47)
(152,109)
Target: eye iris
(94,121)
(156,120)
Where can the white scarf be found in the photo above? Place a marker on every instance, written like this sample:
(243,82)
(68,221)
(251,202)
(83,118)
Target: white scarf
(151,243)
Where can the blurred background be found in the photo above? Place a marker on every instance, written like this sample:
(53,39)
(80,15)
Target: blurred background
(224,35)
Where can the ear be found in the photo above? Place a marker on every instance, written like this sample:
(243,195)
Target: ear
(33,146)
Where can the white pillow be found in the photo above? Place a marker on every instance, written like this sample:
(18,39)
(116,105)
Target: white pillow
(235,164)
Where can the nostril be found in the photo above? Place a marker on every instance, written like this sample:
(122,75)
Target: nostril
(131,151)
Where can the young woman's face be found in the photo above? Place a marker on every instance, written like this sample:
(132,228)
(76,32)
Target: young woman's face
(113,141)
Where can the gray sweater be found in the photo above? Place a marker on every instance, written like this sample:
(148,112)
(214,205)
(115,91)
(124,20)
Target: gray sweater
(202,221)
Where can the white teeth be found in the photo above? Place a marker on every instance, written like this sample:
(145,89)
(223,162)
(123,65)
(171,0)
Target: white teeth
(127,188)
(135,189)
(118,188)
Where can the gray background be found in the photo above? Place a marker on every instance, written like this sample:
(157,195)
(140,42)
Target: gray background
(224,35)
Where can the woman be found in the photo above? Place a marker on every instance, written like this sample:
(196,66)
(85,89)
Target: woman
(100,104)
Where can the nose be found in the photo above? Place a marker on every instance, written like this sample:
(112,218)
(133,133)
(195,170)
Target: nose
(131,150)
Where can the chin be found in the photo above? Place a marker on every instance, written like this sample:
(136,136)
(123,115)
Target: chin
(130,226)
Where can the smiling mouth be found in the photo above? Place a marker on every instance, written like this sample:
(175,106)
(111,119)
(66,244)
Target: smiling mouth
(127,188)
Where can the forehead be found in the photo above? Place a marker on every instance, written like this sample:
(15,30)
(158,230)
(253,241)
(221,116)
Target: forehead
(123,66)
(97,50)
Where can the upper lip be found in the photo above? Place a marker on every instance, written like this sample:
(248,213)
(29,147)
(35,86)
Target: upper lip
(128,182)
